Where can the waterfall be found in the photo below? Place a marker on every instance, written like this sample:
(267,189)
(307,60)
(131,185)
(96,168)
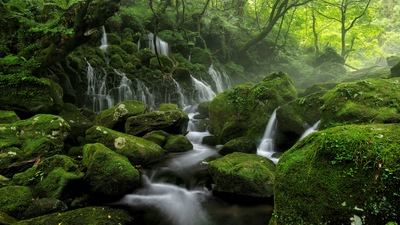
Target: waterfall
(104,43)
(123,91)
(143,94)
(181,98)
(266,147)
(97,89)
(221,79)
(203,91)
(162,46)
(312,129)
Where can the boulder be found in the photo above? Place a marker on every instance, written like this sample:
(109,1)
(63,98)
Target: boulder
(178,143)
(90,215)
(57,177)
(114,117)
(108,173)
(8,117)
(335,175)
(14,200)
(77,121)
(243,174)
(240,144)
(42,135)
(138,150)
(44,206)
(6,219)
(171,121)
(157,136)
(362,102)
(395,70)
(245,109)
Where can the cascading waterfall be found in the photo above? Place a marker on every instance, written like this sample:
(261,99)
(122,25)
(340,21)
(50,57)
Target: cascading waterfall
(202,91)
(221,79)
(97,89)
(162,46)
(182,102)
(266,147)
(312,129)
(104,42)
(143,94)
(123,91)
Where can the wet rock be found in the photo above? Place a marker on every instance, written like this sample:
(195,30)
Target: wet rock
(44,206)
(178,143)
(240,144)
(8,117)
(243,174)
(333,175)
(14,200)
(138,150)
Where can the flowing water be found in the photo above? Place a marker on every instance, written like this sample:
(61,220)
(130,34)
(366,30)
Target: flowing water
(267,145)
(161,46)
(312,129)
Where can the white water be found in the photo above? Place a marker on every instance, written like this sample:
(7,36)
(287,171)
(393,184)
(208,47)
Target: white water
(266,147)
(123,91)
(104,42)
(202,91)
(181,98)
(312,129)
(97,89)
(221,79)
(143,94)
(161,45)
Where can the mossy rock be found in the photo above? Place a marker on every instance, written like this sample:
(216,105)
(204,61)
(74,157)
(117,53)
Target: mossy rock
(166,64)
(39,95)
(245,109)
(90,215)
(395,70)
(129,47)
(8,117)
(372,72)
(44,206)
(329,72)
(362,102)
(108,173)
(201,56)
(210,140)
(318,88)
(14,200)
(240,144)
(114,117)
(6,219)
(57,177)
(178,143)
(42,135)
(157,136)
(202,108)
(145,55)
(333,175)
(181,74)
(168,106)
(172,121)
(116,61)
(243,174)
(138,150)
(78,122)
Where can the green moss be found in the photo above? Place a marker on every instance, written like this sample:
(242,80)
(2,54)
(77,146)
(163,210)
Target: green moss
(14,200)
(178,143)
(168,106)
(90,215)
(241,144)
(158,136)
(8,117)
(245,174)
(166,64)
(129,47)
(361,102)
(108,173)
(343,171)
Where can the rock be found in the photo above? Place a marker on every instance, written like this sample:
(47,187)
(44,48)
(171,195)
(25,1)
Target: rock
(44,206)
(77,121)
(362,102)
(245,109)
(243,174)
(395,70)
(39,95)
(168,106)
(90,215)
(14,200)
(56,177)
(372,72)
(8,117)
(210,140)
(240,144)
(5,219)
(172,122)
(115,117)
(203,109)
(334,174)
(42,135)
(178,143)
(108,173)
(157,136)
(138,150)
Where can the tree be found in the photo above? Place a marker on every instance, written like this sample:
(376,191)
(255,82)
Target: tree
(277,10)
(350,11)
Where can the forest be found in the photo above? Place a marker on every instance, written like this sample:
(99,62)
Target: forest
(199,112)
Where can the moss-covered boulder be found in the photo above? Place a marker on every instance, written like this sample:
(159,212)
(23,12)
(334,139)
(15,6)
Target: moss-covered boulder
(372,72)
(114,117)
(38,95)
(42,135)
(108,173)
(14,200)
(6,219)
(362,102)
(58,177)
(90,215)
(240,144)
(243,174)
(395,70)
(178,143)
(8,117)
(336,174)
(157,136)
(138,150)
(202,108)
(171,121)
(166,63)
(245,109)
(44,206)
(78,122)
